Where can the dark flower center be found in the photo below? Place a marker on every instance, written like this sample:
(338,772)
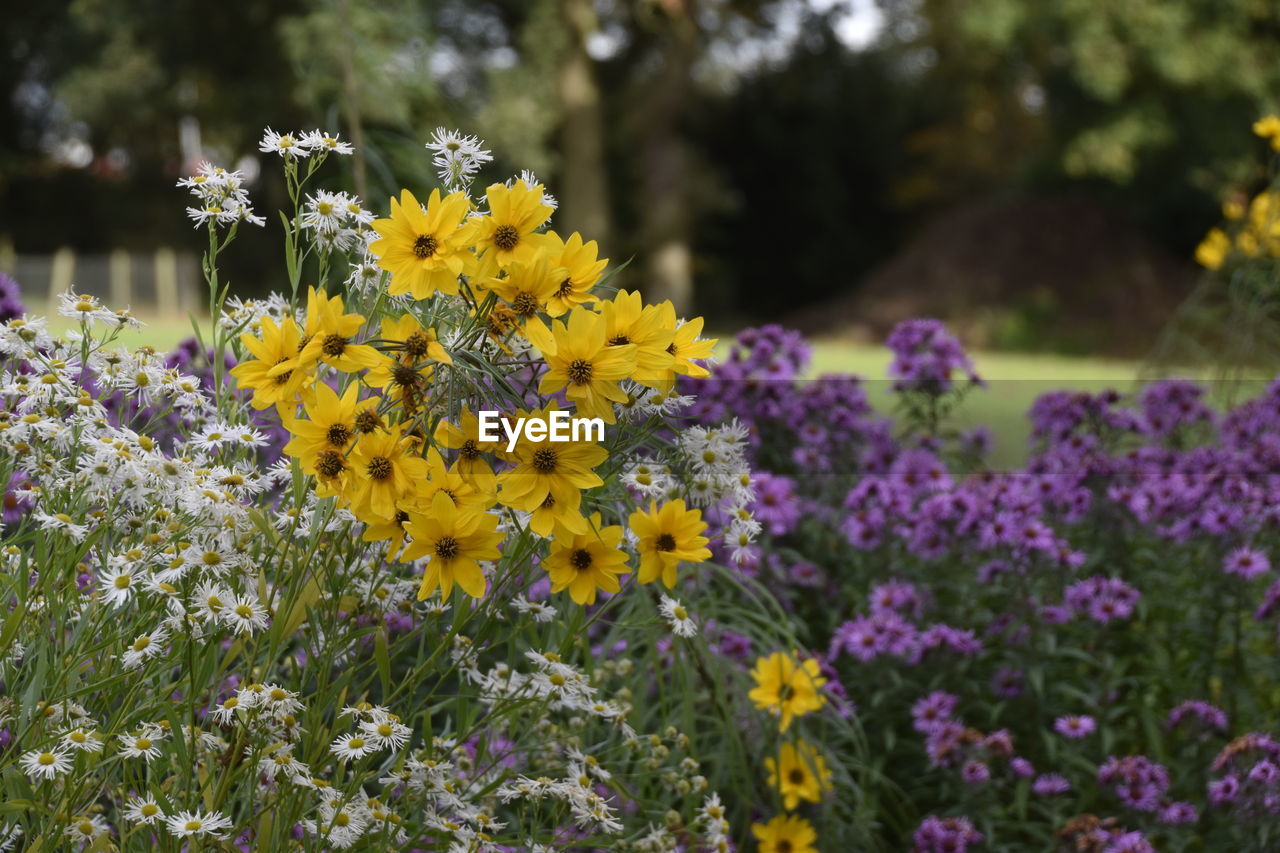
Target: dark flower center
(330,464)
(283,377)
(505,237)
(425,246)
(565,288)
(446,548)
(579,371)
(379,468)
(544,460)
(368,421)
(665,542)
(404,376)
(416,344)
(783,846)
(619,341)
(339,435)
(580,559)
(671,348)
(469,450)
(334,346)
(525,304)
(796,776)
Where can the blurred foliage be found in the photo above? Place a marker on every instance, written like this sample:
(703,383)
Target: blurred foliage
(738,144)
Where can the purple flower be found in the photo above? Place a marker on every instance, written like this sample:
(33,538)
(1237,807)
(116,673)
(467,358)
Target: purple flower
(975,772)
(1246,563)
(1207,714)
(1178,813)
(925,357)
(1075,727)
(1050,785)
(945,835)
(933,709)
(10,299)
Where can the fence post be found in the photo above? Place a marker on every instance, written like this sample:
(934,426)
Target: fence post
(166,267)
(121,280)
(61,272)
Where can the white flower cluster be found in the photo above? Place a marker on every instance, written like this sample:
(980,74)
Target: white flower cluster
(297,146)
(337,220)
(245,315)
(222,197)
(457,157)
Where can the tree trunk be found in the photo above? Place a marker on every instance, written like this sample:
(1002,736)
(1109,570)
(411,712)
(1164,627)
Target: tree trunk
(583,186)
(667,259)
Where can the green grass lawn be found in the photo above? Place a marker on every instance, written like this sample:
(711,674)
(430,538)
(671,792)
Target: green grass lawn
(1014,381)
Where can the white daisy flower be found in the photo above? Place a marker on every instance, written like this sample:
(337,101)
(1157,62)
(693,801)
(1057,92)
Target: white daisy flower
(320,142)
(386,732)
(144,744)
(196,824)
(285,144)
(245,614)
(351,747)
(82,739)
(678,618)
(86,828)
(143,810)
(41,764)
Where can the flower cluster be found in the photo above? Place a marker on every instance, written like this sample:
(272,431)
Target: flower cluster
(1049,601)
(231,572)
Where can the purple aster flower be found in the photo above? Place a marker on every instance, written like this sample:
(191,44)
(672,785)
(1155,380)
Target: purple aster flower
(945,835)
(1075,727)
(1050,785)
(1178,813)
(975,772)
(1246,563)
(933,709)
(10,299)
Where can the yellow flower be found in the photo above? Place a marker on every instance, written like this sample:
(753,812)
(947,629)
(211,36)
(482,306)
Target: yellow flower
(586,367)
(327,338)
(665,537)
(585,562)
(425,251)
(456,538)
(527,287)
(278,345)
(800,773)
(1213,249)
(1268,127)
(629,321)
(548,478)
(390,530)
(785,834)
(508,233)
(441,477)
(406,375)
(411,342)
(786,687)
(384,472)
(685,347)
(465,438)
(329,425)
(582,271)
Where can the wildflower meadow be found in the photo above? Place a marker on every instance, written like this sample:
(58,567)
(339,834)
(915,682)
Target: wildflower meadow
(457,546)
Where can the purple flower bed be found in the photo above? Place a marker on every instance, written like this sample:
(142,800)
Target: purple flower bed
(1080,652)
